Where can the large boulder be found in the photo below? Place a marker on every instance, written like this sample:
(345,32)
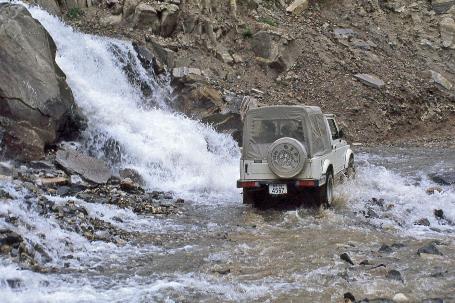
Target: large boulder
(274,49)
(161,18)
(36,104)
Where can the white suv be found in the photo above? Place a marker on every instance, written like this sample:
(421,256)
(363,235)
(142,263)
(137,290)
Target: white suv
(293,152)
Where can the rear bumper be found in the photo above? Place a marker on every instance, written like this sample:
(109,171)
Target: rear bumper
(298,184)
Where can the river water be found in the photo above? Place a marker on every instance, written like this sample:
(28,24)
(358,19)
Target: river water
(216,249)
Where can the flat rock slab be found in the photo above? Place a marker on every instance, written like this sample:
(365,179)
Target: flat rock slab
(297,7)
(91,169)
(440,80)
(370,80)
(442,6)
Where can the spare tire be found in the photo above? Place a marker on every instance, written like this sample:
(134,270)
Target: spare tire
(286,157)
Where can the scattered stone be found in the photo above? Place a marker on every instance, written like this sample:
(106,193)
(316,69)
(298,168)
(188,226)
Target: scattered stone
(429,249)
(297,7)
(442,6)
(441,81)
(344,33)
(370,80)
(345,257)
(447,30)
(91,169)
(385,249)
(433,190)
(365,262)
(394,275)
(439,214)
(422,222)
(237,58)
(400,298)
(443,178)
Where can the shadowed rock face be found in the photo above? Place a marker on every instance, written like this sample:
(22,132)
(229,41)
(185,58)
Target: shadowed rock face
(36,104)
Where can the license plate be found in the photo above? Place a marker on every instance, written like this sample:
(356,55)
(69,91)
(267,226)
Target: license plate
(278,189)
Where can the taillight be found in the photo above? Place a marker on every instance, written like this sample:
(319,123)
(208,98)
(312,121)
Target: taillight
(305,183)
(248,184)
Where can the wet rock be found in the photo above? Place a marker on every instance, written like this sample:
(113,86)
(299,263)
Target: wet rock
(15,283)
(394,275)
(348,297)
(423,222)
(10,238)
(442,6)
(429,249)
(129,186)
(132,174)
(297,7)
(443,178)
(370,80)
(400,298)
(4,195)
(433,190)
(385,249)
(63,191)
(6,169)
(433,300)
(37,105)
(345,257)
(91,169)
(439,214)
(441,81)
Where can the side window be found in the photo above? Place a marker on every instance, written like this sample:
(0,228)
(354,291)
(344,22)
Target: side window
(333,128)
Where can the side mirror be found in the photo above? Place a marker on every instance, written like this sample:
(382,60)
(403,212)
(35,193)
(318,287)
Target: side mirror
(340,134)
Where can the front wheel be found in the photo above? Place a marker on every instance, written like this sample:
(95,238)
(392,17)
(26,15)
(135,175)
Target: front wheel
(324,194)
(350,171)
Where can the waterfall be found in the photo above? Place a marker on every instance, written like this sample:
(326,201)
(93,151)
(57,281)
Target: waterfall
(171,151)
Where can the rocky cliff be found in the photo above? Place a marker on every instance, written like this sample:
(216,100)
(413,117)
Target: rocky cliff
(37,106)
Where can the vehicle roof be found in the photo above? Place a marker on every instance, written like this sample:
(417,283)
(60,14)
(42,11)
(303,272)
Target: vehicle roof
(285,108)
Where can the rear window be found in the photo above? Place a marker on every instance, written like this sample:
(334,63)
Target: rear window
(268,131)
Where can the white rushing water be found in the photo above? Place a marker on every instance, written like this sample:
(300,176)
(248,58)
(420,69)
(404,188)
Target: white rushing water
(172,152)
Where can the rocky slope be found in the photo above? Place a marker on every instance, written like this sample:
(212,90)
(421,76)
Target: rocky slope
(313,56)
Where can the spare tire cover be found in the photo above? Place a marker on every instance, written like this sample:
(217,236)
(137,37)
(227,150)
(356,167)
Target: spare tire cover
(286,157)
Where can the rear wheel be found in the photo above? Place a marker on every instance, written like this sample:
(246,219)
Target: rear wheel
(324,194)
(247,196)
